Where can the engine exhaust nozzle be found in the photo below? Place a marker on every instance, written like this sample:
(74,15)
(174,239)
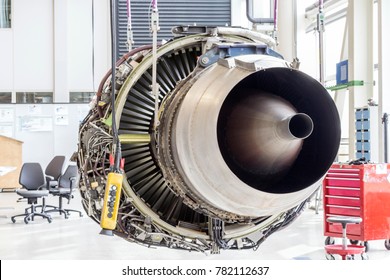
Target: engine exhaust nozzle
(298,126)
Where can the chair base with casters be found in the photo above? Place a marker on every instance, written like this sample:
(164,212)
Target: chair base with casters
(43,206)
(66,185)
(346,252)
(32,197)
(62,193)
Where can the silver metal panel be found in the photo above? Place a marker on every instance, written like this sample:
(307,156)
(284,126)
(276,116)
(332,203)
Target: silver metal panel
(171,13)
(122,20)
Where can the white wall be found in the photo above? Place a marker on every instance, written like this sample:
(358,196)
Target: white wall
(384,64)
(238,14)
(27,50)
(306,49)
(41,142)
(80,48)
(307,46)
(6,60)
(49,49)
(60,22)
(33,45)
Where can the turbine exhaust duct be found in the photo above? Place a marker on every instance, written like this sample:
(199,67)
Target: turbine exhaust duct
(242,142)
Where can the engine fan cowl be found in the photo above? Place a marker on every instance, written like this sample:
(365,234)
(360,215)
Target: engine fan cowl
(235,141)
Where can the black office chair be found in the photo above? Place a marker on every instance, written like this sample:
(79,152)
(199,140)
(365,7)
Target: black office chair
(53,172)
(66,185)
(32,179)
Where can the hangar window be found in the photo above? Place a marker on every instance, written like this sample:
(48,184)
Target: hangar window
(80,97)
(34,97)
(5,97)
(5,13)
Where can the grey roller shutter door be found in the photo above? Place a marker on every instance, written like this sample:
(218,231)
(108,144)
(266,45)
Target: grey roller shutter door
(172,13)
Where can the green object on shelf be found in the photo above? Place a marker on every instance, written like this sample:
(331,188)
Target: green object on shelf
(108,121)
(343,86)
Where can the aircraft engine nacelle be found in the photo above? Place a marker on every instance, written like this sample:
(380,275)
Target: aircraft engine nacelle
(239,143)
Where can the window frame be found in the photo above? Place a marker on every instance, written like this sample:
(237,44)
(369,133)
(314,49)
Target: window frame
(4,94)
(7,24)
(38,95)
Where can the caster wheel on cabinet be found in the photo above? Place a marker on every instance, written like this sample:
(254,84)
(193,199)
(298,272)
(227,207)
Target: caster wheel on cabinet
(330,257)
(387,244)
(329,241)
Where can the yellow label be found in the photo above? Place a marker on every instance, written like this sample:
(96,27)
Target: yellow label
(111,201)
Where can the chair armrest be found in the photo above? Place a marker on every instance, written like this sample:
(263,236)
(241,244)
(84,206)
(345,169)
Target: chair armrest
(51,182)
(72,181)
(42,187)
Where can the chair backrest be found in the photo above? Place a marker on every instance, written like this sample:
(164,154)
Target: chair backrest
(31,176)
(55,166)
(70,173)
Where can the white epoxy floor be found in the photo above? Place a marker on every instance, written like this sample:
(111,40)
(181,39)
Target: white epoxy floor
(79,239)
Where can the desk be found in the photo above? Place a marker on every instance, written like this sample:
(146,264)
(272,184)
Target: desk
(10,162)
(6,169)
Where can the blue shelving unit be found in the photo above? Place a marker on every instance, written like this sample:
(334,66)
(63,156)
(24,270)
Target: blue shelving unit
(366,130)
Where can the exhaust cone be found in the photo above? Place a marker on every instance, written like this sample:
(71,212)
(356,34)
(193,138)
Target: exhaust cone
(272,128)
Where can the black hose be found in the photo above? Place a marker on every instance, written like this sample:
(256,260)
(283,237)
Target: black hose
(385,132)
(116,143)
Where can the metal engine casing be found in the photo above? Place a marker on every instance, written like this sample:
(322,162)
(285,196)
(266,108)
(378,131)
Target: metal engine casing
(242,141)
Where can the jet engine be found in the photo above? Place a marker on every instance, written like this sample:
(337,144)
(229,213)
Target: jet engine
(229,152)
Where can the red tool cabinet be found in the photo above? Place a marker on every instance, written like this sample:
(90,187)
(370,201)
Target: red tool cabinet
(358,191)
